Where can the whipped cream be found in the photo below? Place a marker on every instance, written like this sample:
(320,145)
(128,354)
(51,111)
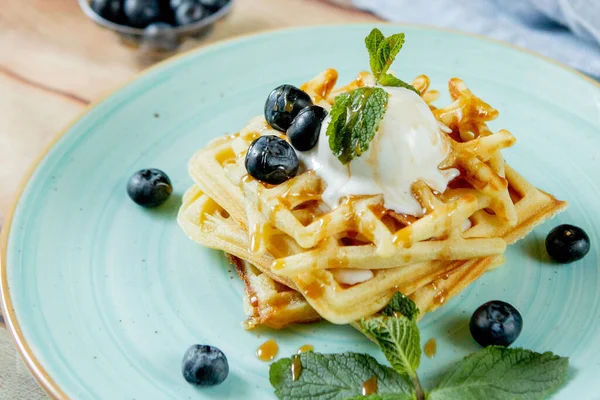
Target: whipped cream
(409,146)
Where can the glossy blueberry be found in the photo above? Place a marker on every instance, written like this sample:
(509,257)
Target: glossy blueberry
(167,13)
(567,243)
(149,187)
(141,13)
(213,5)
(496,323)
(271,160)
(189,11)
(204,365)
(305,128)
(111,10)
(283,104)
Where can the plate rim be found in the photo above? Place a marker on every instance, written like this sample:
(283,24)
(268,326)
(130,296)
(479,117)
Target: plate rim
(40,374)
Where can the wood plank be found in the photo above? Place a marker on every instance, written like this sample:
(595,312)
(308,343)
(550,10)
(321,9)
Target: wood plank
(30,118)
(54,43)
(54,60)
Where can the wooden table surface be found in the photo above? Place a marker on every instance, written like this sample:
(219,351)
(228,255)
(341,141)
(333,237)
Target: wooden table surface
(54,61)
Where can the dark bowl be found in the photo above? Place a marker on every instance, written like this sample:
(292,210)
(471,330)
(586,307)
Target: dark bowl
(162,40)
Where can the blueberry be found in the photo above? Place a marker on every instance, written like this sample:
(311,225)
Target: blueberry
(189,11)
(149,187)
(204,365)
(567,243)
(283,104)
(167,13)
(141,13)
(305,128)
(271,160)
(111,10)
(212,5)
(496,323)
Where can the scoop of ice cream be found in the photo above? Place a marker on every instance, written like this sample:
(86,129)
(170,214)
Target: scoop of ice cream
(409,146)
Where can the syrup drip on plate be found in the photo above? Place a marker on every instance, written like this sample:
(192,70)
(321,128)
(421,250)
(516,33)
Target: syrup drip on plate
(267,351)
(305,348)
(430,348)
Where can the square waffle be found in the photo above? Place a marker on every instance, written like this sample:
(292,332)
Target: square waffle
(268,300)
(291,236)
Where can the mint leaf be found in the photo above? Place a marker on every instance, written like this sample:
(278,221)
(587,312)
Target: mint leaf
(355,118)
(372,41)
(498,373)
(391,80)
(401,304)
(388,50)
(336,377)
(382,52)
(399,339)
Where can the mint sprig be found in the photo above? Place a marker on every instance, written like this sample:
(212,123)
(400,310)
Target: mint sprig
(373,41)
(336,377)
(382,52)
(391,80)
(493,373)
(399,339)
(498,373)
(355,118)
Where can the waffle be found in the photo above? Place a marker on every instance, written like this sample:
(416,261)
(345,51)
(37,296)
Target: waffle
(268,300)
(291,236)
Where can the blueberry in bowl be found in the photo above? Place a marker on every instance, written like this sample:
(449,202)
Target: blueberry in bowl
(141,13)
(156,25)
(188,12)
(212,5)
(111,10)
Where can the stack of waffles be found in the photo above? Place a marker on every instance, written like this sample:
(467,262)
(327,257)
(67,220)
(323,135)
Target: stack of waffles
(302,261)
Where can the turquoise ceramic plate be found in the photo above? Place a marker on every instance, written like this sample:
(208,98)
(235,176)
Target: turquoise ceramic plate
(104,297)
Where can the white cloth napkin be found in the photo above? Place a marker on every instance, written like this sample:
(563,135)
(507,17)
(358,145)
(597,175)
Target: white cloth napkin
(566,30)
